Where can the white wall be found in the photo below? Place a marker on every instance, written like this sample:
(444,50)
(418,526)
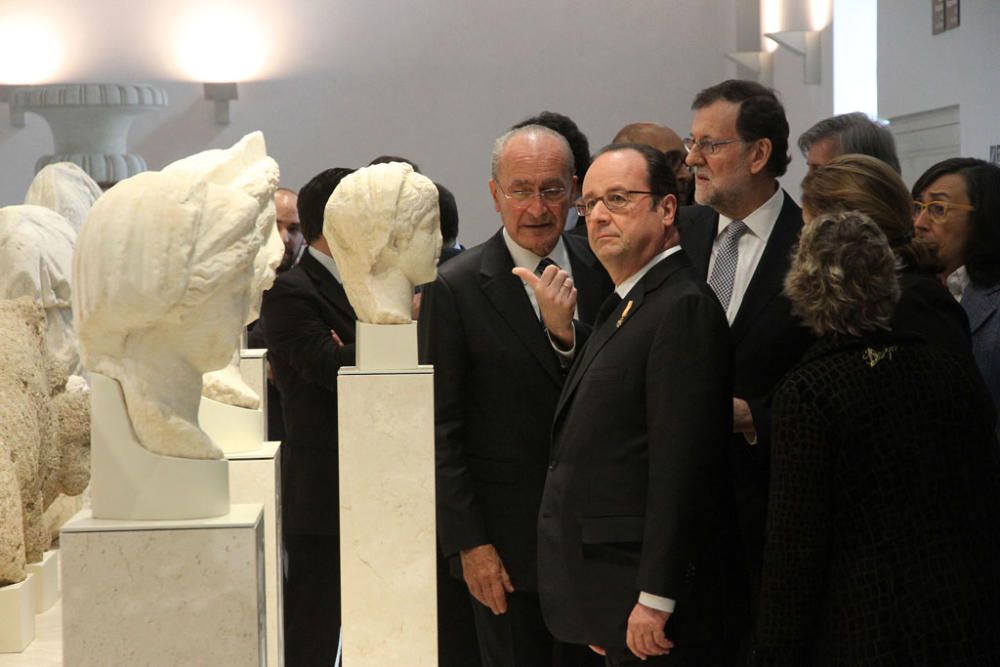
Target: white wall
(435,81)
(919,71)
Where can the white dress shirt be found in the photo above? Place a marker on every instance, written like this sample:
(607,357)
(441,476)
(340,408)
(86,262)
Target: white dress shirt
(751,246)
(957,281)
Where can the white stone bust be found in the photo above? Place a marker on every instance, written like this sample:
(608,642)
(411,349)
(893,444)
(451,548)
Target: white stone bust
(65,188)
(162,276)
(247,167)
(36,261)
(384,230)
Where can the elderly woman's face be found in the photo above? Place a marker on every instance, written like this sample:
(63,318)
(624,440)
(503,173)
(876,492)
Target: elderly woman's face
(944,218)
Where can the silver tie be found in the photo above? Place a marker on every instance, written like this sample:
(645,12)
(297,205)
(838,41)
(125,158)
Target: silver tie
(724,269)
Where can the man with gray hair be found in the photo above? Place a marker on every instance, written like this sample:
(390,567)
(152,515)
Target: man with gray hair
(848,133)
(497,376)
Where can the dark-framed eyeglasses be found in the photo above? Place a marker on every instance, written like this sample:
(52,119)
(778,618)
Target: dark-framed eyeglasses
(521,197)
(938,211)
(706,146)
(615,201)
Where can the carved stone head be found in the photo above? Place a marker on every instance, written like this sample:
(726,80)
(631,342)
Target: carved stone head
(65,188)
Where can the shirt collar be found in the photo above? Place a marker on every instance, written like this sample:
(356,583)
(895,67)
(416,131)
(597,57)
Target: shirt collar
(327,263)
(761,222)
(529,260)
(957,281)
(630,282)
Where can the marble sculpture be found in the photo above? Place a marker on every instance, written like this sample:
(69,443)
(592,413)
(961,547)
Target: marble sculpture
(65,188)
(44,436)
(247,167)
(384,231)
(36,256)
(163,280)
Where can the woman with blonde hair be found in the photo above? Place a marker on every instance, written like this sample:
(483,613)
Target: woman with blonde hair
(865,184)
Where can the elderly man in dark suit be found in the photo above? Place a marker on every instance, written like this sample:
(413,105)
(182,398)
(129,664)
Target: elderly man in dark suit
(497,378)
(740,240)
(636,521)
(309,325)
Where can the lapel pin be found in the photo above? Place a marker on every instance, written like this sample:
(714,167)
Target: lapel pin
(628,307)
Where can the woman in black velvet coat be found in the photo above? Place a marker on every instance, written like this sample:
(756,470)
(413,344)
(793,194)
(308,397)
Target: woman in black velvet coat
(883,534)
(866,184)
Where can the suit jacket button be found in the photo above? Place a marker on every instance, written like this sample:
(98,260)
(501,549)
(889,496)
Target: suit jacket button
(552,465)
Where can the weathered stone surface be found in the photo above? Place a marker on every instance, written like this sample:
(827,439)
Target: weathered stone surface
(384,230)
(163,277)
(65,188)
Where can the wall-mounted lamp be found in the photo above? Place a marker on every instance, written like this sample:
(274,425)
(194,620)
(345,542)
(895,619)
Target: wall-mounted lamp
(760,62)
(222,94)
(804,43)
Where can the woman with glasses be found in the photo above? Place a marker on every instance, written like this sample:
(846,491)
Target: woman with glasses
(868,185)
(883,529)
(956,203)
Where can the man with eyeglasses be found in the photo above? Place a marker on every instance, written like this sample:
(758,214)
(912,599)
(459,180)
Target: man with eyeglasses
(497,376)
(638,546)
(740,240)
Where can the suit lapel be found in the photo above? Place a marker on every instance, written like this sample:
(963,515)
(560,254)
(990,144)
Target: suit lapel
(618,321)
(698,226)
(979,303)
(328,286)
(768,280)
(506,293)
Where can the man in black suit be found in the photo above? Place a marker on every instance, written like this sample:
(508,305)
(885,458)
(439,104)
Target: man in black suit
(497,378)
(636,520)
(740,240)
(309,326)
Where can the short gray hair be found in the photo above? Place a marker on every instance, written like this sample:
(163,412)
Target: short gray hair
(855,133)
(501,144)
(843,275)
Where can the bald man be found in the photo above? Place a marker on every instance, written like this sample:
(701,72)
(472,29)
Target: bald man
(665,140)
(286,201)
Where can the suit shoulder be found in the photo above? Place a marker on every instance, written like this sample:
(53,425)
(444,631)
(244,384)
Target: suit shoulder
(462,265)
(696,214)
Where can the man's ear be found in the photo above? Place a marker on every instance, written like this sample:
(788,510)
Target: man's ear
(669,205)
(494,194)
(760,153)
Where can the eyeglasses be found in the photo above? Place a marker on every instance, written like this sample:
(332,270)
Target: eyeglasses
(937,211)
(706,146)
(615,201)
(522,198)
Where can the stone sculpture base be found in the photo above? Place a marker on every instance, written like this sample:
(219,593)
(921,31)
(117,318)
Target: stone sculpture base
(232,428)
(128,482)
(164,592)
(17,615)
(387,530)
(255,477)
(253,368)
(386,346)
(46,575)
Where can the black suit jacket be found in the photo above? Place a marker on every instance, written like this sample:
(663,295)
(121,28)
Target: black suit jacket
(298,312)
(767,341)
(637,496)
(496,381)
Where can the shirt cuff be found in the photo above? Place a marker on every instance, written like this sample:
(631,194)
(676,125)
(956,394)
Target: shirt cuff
(565,356)
(656,602)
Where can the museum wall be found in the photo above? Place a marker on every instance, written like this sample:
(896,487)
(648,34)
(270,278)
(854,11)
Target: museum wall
(435,81)
(919,71)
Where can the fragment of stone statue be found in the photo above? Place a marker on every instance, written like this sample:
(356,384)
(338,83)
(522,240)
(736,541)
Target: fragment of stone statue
(65,188)
(162,278)
(384,230)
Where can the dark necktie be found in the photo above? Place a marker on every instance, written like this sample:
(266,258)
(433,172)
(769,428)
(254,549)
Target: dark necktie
(724,270)
(608,307)
(543,264)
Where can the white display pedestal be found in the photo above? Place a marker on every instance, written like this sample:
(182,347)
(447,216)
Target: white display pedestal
(46,580)
(255,477)
(128,482)
(387,531)
(253,368)
(233,429)
(17,615)
(164,592)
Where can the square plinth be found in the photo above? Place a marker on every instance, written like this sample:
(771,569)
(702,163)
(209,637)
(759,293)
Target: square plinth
(188,592)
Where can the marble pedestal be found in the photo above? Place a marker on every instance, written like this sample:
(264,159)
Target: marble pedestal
(17,615)
(46,575)
(255,477)
(164,592)
(387,531)
(253,368)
